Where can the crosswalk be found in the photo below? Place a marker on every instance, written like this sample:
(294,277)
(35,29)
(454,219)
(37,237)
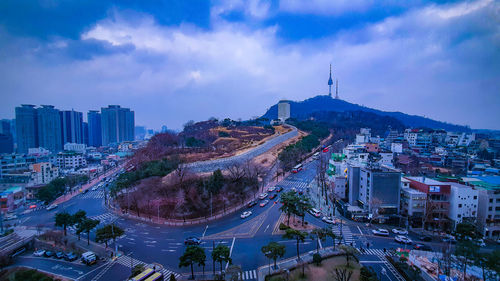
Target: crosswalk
(290,184)
(93,194)
(374,252)
(128,262)
(104,219)
(248,275)
(346,234)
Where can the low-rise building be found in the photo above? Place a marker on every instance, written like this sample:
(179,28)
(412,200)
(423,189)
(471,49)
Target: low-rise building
(488,213)
(463,203)
(437,203)
(43,173)
(11,199)
(76,147)
(413,205)
(70,160)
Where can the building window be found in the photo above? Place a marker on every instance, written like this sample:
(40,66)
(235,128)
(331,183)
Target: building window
(490,208)
(491,200)
(475,197)
(460,205)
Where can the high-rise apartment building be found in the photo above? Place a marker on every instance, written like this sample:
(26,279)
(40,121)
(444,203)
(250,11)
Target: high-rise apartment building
(95,130)
(49,128)
(117,124)
(72,126)
(6,138)
(85,129)
(26,127)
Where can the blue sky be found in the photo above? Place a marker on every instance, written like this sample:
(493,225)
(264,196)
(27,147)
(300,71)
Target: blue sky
(172,61)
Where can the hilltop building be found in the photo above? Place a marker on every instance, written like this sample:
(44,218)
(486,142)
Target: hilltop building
(283,110)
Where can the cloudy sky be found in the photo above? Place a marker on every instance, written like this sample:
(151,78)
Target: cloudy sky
(172,61)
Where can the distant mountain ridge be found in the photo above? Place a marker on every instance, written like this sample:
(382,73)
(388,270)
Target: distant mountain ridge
(304,109)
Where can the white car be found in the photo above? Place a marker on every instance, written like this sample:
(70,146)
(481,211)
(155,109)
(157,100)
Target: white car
(39,253)
(95,188)
(246,214)
(315,212)
(381,232)
(262,196)
(481,243)
(271,188)
(403,239)
(52,207)
(399,231)
(328,220)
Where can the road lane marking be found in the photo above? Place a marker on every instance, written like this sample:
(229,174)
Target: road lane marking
(231,250)
(320,245)
(204,231)
(266,228)
(359,229)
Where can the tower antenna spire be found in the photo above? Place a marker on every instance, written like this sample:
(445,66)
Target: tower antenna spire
(337,88)
(330,82)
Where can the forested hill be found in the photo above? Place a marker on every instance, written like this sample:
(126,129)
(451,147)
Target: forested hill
(304,110)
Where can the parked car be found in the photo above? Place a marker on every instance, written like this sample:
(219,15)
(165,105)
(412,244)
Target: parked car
(95,188)
(403,239)
(449,239)
(315,212)
(71,256)
(59,255)
(246,214)
(192,241)
(262,196)
(39,253)
(301,191)
(272,196)
(399,231)
(422,247)
(329,220)
(380,232)
(251,204)
(271,189)
(264,203)
(481,243)
(49,254)
(425,238)
(52,207)
(279,189)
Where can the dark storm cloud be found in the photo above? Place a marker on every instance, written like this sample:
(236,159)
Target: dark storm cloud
(236,58)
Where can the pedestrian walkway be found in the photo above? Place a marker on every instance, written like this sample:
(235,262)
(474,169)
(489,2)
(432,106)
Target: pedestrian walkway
(346,234)
(130,262)
(293,183)
(93,194)
(104,219)
(248,275)
(374,252)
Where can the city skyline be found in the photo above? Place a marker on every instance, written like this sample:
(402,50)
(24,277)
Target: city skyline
(174,63)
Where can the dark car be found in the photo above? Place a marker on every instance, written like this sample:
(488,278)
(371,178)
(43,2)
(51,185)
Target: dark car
(272,196)
(192,241)
(59,255)
(426,238)
(422,247)
(71,257)
(279,189)
(251,204)
(49,254)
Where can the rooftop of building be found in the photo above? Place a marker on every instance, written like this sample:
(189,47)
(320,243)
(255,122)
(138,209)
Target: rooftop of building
(426,180)
(412,191)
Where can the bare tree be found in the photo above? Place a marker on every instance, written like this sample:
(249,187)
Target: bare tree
(375,204)
(342,274)
(236,172)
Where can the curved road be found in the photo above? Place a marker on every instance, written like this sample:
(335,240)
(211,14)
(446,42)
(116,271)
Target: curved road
(223,163)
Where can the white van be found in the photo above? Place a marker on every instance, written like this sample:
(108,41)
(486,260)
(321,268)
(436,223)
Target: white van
(316,156)
(89,258)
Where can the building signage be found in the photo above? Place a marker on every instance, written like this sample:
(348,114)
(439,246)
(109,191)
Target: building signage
(434,188)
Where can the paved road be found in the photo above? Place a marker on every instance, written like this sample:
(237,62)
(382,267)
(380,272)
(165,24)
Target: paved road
(146,242)
(212,165)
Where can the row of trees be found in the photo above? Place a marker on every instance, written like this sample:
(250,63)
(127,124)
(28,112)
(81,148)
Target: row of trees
(196,255)
(58,186)
(292,154)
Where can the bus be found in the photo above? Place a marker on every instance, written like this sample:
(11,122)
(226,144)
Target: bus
(155,277)
(143,275)
(297,168)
